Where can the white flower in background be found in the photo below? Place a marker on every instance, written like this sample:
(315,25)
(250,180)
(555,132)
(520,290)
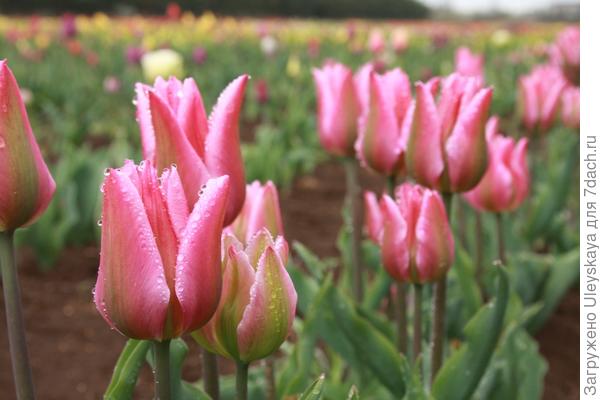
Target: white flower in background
(268,45)
(164,62)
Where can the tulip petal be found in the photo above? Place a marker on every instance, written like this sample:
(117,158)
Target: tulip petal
(144,119)
(264,212)
(191,116)
(374,218)
(395,252)
(520,170)
(198,276)
(257,243)
(268,317)
(175,199)
(131,291)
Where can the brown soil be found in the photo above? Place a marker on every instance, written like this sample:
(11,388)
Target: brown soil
(73,351)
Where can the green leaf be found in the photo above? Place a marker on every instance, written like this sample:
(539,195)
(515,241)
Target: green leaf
(353,394)
(315,390)
(127,369)
(465,273)
(461,373)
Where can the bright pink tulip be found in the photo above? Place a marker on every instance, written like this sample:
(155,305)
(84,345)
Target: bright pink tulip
(26,186)
(160,273)
(539,97)
(468,63)
(446,148)
(175,130)
(506,181)
(258,303)
(337,108)
(416,241)
(382,140)
(570,107)
(566,54)
(261,210)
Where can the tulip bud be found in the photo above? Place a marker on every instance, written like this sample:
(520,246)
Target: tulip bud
(175,130)
(467,63)
(337,108)
(570,107)
(505,183)
(160,273)
(374,219)
(446,147)
(26,186)
(416,242)
(258,303)
(565,53)
(261,210)
(162,63)
(376,41)
(540,93)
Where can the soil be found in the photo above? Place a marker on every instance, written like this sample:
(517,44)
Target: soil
(73,351)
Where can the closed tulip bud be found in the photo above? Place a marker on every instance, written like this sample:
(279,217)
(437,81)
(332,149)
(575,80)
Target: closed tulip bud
(565,53)
(26,186)
(382,136)
(506,181)
(162,63)
(160,273)
(570,107)
(416,242)
(337,108)
(446,148)
(261,210)
(175,130)
(539,97)
(467,63)
(258,303)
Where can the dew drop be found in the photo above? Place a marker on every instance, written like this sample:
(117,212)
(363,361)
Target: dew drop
(99,222)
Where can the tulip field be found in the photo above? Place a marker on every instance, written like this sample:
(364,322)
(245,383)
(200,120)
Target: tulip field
(203,207)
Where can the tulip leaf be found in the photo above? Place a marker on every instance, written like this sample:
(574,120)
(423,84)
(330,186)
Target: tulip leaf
(315,390)
(461,373)
(127,369)
(465,272)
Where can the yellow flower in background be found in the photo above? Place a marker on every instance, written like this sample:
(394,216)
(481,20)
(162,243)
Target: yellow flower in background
(42,40)
(293,67)
(501,38)
(164,62)
(207,21)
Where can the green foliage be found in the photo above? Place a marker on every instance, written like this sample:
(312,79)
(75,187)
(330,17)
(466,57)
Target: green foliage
(127,369)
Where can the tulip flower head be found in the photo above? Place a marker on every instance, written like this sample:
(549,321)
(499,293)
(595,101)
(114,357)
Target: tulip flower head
(258,303)
(539,97)
(175,130)
(570,107)
(446,148)
(337,108)
(26,186)
(163,62)
(160,273)
(261,210)
(506,181)
(468,63)
(413,232)
(565,53)
(376,41)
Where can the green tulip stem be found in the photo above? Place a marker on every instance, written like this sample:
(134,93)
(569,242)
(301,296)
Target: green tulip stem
(241,380)
(479,253)
(500,233)
(417,311)
(439,310)
(210,374)
(354,224)
(162,367)
(271,391)
(14,319)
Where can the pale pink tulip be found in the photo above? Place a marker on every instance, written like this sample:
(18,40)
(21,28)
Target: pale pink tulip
(26,186)
(570,107)
(506,181)
(468,63)
(565,53)
(337,108)
(160,272)
(446,148)
(376,41)
(374,219)
(175,130)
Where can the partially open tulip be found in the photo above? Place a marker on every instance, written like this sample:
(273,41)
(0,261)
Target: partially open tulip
(26,186)
(566,53)
(175,130)
(258,303)
(570,107)
(337,108)
(160,271)
(381,142)
(415,238)
(162,62)
(506,181)
(261,210)
(446,147)
(540,97)
(468,63)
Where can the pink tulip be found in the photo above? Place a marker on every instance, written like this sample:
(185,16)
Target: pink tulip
(539,97)
(468,63)
(337,108)
(570,107)
(26,186)
(261,210)
(446,148)
(565,53)
(160,273)
(258,303)
(416,240)
(382,140)
(175,130)
(506,181)
(376,41)
(374,219)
